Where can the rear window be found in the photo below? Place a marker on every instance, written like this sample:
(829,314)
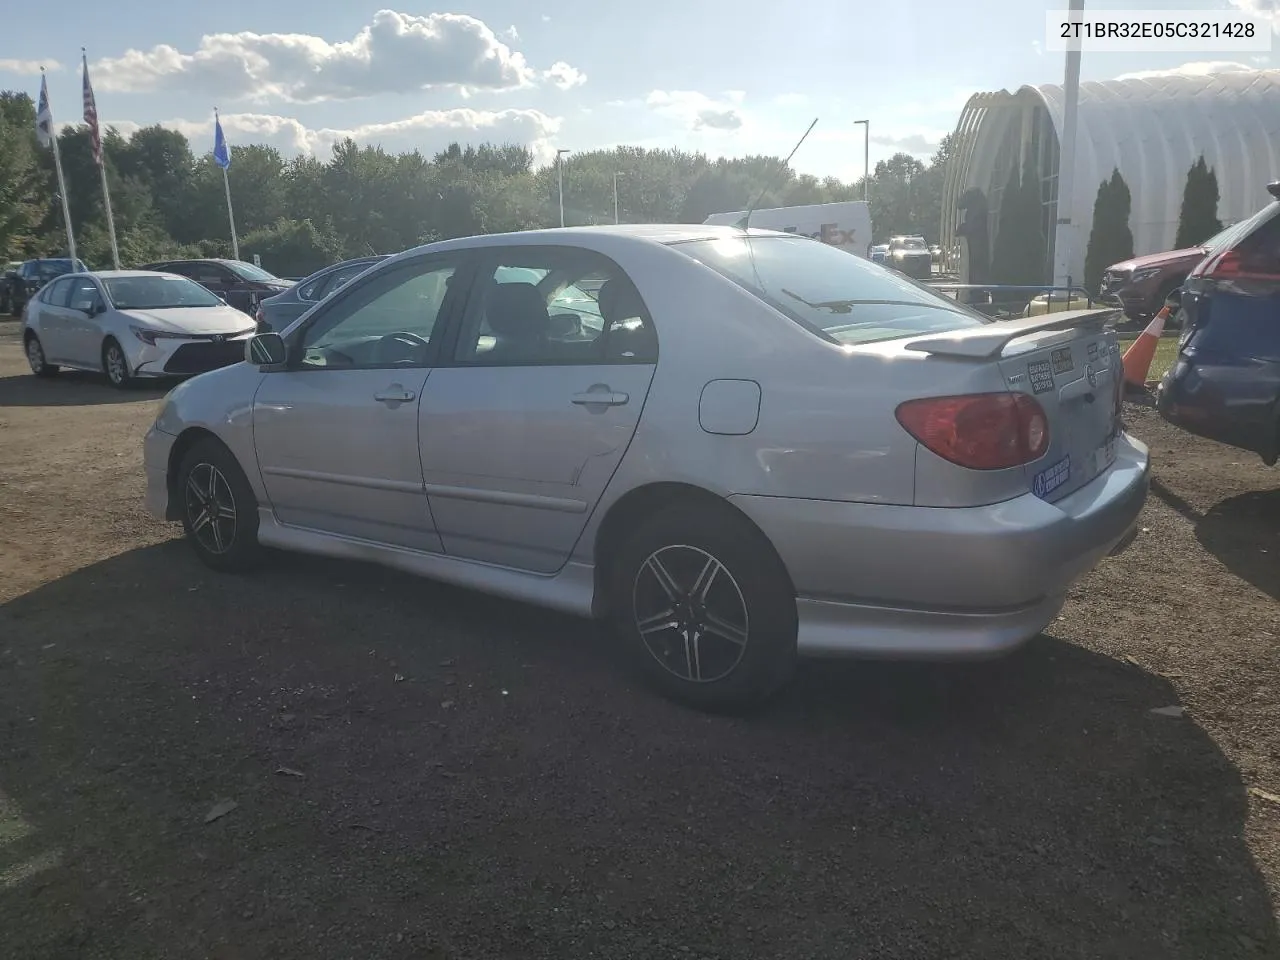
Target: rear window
(840,297)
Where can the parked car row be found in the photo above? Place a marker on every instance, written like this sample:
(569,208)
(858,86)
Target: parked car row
(1224,383)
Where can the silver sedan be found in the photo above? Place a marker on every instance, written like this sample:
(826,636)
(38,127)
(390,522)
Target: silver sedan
(734,447)
(131,324)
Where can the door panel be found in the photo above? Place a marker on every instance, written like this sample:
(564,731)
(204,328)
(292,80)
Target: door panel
(85,331)
(55,321)
(335,458)
(514,465)
(521,435)
(337,434)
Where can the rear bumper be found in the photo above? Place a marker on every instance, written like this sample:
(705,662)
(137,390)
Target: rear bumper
(939,583)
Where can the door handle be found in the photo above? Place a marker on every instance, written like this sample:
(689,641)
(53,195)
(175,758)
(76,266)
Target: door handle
(603,398)
(394,394)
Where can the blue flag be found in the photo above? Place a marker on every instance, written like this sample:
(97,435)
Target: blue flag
(221,152)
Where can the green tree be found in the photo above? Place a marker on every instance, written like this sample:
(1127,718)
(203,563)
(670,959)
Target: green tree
(1198,220)
(292,248)
(1110,239)
(21,192)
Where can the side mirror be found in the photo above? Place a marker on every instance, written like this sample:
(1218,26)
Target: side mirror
(266,350)
(87,307)
(1174,299)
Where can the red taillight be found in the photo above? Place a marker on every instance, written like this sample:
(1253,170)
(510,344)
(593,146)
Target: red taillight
(1225,264)
(981,431)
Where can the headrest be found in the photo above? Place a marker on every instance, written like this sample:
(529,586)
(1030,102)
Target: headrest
(619,300)
(516,310)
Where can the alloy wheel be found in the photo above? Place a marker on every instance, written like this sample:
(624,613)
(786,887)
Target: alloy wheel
(211,508)
(117,370)
(690,613)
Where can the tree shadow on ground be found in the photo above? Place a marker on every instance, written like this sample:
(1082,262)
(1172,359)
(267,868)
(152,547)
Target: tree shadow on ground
(1243,532)
(424,772)
(72,388)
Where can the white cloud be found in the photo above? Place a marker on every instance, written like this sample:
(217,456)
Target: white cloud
(511,33)
(1196,68)
(699,111)
(429,131)
(564,76)
(918,143)
(28,66)
(395,53)
(1269,9)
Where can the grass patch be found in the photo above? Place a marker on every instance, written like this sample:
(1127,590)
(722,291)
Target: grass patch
(1166,351)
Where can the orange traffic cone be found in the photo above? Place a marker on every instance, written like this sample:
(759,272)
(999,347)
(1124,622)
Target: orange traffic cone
(1137,359)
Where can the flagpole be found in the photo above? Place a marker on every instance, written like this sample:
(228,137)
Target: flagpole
(111,221)
(62,182)
(102,169)
(235,244)
(231,217)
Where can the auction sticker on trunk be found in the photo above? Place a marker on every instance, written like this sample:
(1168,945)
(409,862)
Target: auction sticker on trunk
(1051,478)
(1040,373)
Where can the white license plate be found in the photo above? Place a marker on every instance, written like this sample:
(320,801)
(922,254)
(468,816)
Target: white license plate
(1104,456)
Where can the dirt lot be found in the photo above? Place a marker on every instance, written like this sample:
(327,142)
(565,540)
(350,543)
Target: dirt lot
(478,780)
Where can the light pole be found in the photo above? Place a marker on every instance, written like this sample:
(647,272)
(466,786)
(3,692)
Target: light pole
(1064,234)
(616,175)
(866,159)
(560,179)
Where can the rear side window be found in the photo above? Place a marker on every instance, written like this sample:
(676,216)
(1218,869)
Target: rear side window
(836,295)
(1260,249)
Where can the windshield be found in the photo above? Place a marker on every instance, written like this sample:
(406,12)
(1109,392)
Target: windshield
(157,293)
(247,271)
(909,243)
(840,297)
(48,269)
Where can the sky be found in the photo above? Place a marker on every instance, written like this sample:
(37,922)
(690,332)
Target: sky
(725,77)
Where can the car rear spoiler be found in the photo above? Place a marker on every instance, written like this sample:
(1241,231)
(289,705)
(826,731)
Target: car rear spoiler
(990,339)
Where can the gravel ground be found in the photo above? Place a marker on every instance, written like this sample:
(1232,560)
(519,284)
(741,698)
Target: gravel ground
(421,772)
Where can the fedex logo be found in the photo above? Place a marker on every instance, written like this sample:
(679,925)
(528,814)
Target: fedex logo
(827,233)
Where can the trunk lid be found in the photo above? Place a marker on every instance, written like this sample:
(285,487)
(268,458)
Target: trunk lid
(1071,366)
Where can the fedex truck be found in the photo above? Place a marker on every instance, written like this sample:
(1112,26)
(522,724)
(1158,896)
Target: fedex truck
(844,225)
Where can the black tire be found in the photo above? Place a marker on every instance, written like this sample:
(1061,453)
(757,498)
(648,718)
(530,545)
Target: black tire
(115,365)
(34,350)
(748,594)
(210,475)
(16,306)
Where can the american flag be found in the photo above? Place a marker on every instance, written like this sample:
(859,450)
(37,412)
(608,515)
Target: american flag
(91,117)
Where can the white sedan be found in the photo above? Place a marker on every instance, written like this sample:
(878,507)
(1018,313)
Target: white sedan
(131,324)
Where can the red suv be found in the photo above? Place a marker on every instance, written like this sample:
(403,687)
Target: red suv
(1142,285)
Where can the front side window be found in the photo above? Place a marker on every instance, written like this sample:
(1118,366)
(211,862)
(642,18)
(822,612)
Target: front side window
(555,305)
(84,294)
(841,298)
(387,321)
(157,293)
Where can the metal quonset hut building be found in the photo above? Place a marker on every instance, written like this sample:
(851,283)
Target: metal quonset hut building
(1153,129)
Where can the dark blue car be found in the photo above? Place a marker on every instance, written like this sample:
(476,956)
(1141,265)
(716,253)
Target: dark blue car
(1225,382)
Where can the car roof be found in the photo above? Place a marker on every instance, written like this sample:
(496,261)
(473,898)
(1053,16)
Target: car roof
(114,274)
(639,234)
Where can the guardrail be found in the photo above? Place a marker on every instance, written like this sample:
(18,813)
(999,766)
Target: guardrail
(1009,300)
